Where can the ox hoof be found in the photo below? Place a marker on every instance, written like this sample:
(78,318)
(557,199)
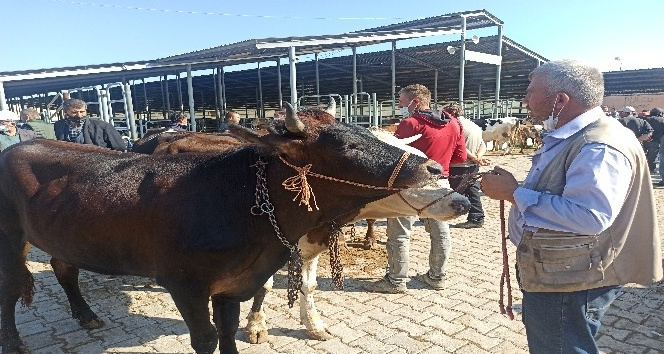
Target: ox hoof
(256,336)
(320,334)
(93,323)
(256,330)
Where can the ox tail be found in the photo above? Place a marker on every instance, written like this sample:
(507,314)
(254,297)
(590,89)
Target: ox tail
(27,289)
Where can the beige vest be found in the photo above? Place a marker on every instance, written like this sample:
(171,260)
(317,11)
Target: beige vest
(629,251)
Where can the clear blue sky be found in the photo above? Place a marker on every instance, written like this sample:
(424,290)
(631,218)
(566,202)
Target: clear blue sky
(55,33)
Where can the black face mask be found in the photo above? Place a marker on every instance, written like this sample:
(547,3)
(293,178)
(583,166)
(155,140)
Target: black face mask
(77,121)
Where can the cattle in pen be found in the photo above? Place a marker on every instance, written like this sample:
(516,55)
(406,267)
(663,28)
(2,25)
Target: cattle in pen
(203,225)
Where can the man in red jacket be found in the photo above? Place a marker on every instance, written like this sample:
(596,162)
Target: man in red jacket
(442,141)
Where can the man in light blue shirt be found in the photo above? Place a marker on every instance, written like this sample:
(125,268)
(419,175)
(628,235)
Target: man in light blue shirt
(584,218)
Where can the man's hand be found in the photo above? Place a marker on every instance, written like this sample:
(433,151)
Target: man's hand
(499,184)
(483,161)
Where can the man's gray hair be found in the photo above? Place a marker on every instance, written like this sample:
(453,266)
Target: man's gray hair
(580,81)
(73,103)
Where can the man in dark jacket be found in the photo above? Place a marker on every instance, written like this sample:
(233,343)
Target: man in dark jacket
(640,127)
(78,128)
(651,147)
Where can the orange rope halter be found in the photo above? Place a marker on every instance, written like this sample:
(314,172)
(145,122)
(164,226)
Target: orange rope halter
(300,184)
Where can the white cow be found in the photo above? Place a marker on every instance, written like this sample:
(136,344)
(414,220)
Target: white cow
(431,201)
(500,131)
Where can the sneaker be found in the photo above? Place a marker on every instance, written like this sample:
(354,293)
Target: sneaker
(470,224)
(385,286)
(436,284)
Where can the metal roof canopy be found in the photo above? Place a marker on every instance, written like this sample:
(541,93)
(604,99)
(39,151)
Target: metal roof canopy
(27,82)
(413,65)
(22,83)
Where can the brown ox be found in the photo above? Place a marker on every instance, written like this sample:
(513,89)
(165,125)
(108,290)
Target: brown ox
(185,219)
(430,201)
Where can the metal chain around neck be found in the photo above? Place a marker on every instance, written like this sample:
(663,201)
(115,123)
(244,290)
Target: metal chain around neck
(336,267)
(264,206)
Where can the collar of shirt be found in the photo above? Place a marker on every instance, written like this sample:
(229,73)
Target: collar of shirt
(572,127)
(576,124)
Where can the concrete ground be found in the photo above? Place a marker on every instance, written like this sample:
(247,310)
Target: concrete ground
(463,318)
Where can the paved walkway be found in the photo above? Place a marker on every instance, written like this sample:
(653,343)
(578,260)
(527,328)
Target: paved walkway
(464,318)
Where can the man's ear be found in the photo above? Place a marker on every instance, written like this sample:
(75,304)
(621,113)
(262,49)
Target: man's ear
(562,99)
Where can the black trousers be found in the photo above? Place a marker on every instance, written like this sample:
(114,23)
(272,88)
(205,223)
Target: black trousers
(472,191)
(651,148)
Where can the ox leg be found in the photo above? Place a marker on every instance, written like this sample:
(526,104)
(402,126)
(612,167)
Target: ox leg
(226,315)
(309,316)
(256,329)
(192,302)
(16,282)
(370,237)
(67,276)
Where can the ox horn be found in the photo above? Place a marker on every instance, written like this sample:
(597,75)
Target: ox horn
(293,123)
(331,107)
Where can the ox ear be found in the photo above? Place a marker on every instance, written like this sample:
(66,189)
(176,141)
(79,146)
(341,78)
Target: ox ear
(244,134)
(278,138)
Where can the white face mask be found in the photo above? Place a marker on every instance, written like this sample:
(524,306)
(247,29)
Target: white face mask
(550,124)
(404,110)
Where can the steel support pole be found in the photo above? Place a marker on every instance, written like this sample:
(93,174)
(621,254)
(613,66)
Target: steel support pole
(163,98)
(317,80)
(3,99)
(216,93)
(462,62)
(130,111)
(224,99)
(435,89)
(190,91)
(479,103)
(104,106)
(101,112)
(394,78)
(354,99)
(499,68)
(281,96)
(219,93)
(293,76)
(168,97)
(147,105)
(179,87)
(261,106)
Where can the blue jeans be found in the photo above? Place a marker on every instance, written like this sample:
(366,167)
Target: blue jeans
(398,246)
(565,322)
(661,165)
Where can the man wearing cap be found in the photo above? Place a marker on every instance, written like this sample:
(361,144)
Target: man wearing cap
(640,127)
(652,146)
(9,133)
